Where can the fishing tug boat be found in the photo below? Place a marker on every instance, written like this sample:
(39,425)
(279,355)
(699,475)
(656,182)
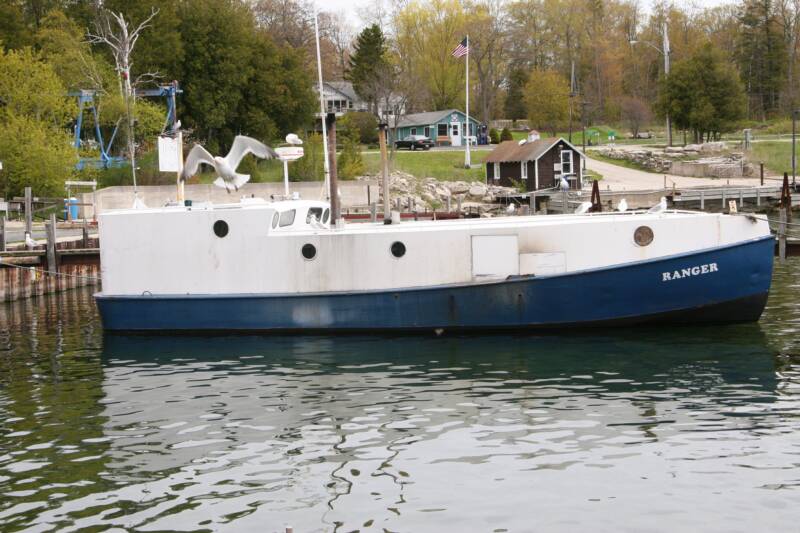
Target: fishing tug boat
(258,266)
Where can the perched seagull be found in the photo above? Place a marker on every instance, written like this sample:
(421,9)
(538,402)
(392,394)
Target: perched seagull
(583,208)
(622,206)
(292,138)
(226,166)
(30,244)
(659,207)
(511,208)
(564,184)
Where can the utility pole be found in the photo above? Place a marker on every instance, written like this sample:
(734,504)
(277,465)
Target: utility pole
(387,213)
(794,143)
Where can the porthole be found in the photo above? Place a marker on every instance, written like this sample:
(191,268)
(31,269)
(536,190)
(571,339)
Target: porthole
(643,235)
(220,228)
(309,251)
(325,216)
(275,218)
(398,249)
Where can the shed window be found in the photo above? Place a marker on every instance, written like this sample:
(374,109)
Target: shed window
(287,218)
(496,170)
(566,161)
(524,172)
(441,130)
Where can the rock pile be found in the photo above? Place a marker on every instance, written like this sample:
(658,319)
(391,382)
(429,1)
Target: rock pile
(432,194)
(686,160)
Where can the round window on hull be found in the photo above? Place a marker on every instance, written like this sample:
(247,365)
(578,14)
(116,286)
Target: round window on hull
(309,251)
(643,235)
(220,228)
(398,249)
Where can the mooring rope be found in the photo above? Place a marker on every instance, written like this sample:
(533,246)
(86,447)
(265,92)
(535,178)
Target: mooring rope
(38,271)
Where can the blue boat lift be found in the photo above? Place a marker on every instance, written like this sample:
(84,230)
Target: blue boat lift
(87,100)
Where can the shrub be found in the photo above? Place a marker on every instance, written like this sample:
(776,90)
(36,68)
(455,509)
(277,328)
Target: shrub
(494,136)
(359,125)
(349,164)
(506,135)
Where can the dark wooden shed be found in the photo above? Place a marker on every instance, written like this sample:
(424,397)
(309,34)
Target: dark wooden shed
(536,164)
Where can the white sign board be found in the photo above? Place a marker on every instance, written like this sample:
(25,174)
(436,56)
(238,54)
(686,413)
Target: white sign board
(289,153)
(169,158)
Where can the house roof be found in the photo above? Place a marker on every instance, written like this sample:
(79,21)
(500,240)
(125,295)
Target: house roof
(528,151)
(345,88)
(428,118)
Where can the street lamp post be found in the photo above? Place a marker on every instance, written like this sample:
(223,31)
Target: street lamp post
(665,51)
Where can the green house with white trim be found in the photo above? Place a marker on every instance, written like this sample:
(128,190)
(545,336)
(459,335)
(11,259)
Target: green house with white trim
(445,128)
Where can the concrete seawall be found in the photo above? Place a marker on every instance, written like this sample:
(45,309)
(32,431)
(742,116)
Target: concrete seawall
(353,193)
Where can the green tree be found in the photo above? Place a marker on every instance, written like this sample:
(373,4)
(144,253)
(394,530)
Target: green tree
(14,31)
(547,100)
(34,154)
(278,97)
(703,95)
(29,87)
(367,63)
(217,37)
(349,163)
(361,126)
(515,98)
(310,166)
(762,56)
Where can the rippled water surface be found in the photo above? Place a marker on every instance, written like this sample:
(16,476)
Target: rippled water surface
(620,430)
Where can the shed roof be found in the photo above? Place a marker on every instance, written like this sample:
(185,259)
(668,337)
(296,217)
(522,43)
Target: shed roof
(428,118)
(528,151)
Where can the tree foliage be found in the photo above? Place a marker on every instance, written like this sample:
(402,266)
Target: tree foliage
(361,126)
(547,100)
(703,95)
(367,63)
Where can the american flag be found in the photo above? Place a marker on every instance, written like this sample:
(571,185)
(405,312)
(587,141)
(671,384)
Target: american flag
(462,49)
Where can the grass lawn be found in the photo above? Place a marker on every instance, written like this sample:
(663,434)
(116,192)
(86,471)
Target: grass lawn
(444,166)
(777,156)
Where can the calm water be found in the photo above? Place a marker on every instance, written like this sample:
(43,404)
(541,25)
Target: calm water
(638,430)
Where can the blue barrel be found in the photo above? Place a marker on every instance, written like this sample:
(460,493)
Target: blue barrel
(70,209)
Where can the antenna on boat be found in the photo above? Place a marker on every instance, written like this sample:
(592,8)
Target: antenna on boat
(325,163)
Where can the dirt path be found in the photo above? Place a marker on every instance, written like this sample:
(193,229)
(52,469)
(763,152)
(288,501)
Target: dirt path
(619,178)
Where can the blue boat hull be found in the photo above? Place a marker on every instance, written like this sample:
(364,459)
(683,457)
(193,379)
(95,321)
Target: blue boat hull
(726,284)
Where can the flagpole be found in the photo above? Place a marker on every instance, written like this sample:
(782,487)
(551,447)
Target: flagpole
(467,160)
(322,111)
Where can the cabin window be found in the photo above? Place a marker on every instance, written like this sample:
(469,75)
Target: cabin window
(325,216)
(566,161)
(220,228)
(413,131)
(314,213)
(398,249)
(287,218)
(441,130)
(524,169)
(496,170)
(309,251)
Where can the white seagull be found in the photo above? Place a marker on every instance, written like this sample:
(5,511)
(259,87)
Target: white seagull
(292,138)
(564,184)
(226,166)
(583,208)
(30,244)
(659,207)
(510,208)
(622,206)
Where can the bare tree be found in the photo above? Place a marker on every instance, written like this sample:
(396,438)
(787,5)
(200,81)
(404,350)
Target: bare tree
(112,30)
(635,113)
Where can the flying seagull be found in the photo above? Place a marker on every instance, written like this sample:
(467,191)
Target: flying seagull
(226,166)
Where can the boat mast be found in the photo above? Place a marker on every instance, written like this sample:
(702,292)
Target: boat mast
(326,166)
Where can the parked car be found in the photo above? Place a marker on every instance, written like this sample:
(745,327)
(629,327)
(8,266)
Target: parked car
(414,142)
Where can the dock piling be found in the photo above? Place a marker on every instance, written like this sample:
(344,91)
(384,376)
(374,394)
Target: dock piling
(50,228)
(2,233)
(28,210)
(782,234)
(761,167)
(702,199)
